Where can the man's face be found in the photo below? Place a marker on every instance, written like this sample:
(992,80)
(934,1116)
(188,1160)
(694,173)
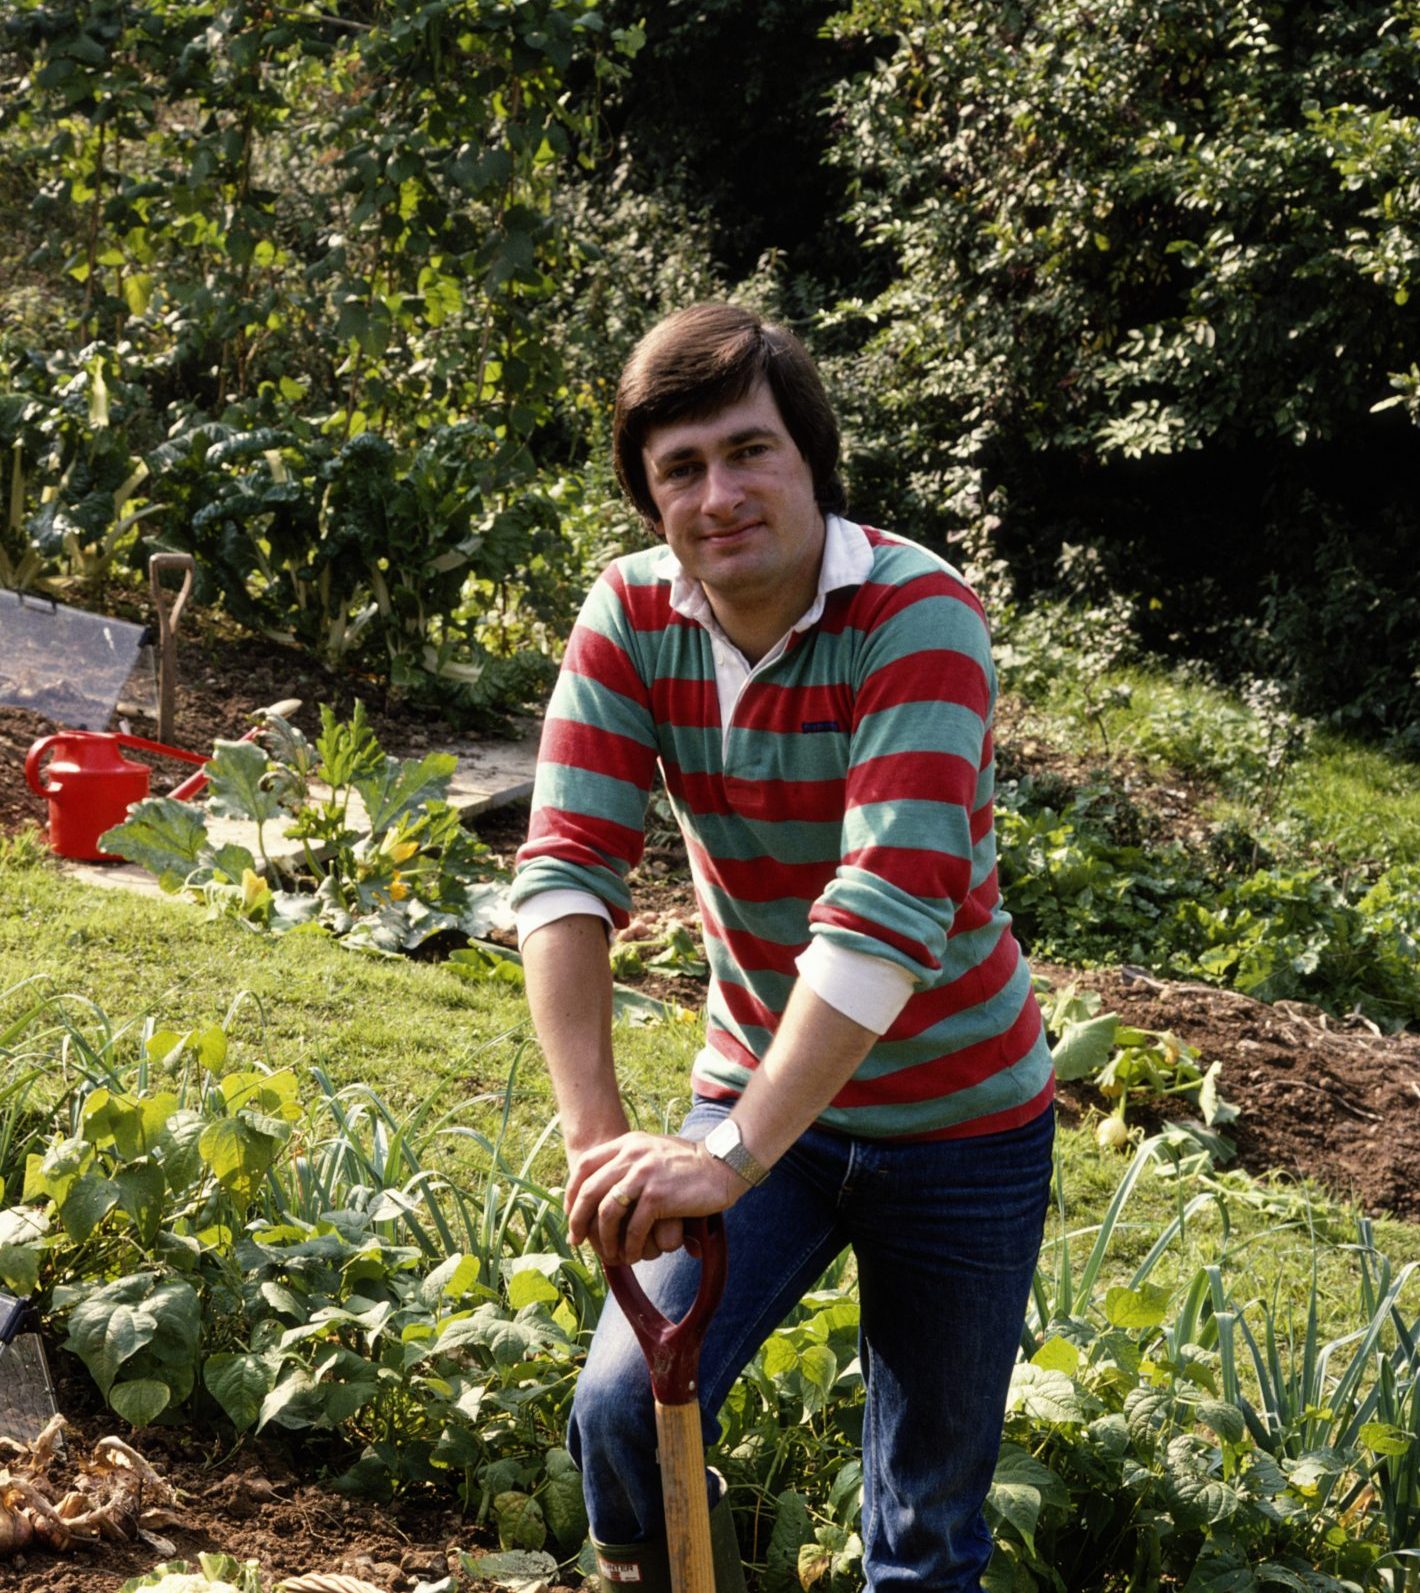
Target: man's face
(735,501)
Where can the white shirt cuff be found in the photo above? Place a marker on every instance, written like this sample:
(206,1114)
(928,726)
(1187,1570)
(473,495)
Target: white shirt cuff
(870,990)
(548,906)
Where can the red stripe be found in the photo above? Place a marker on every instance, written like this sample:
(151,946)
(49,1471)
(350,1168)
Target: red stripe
(886,599)
(749,952)
(785,710)
(981,822)
(814,800)
(600,659)
(685,702)
(978,908)
(942,675)
(745,1009)
(996,1122)
(913,776)
(841,918)
(730,1048)
(647,607)
(977,985)
(761,879)
(915,868)
(580,746)
(573,838)
(943,1076)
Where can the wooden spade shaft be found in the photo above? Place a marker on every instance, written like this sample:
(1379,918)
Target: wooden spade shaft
(683,1488)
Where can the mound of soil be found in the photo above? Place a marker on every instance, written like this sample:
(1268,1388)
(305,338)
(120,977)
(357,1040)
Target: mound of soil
(1334,1102)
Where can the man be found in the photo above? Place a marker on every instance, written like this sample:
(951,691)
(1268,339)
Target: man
(818,696)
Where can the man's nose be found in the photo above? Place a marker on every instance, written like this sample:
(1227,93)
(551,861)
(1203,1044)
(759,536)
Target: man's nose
(723,490)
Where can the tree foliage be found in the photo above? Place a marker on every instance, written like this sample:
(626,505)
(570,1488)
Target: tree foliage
(310,250)
(1153,266)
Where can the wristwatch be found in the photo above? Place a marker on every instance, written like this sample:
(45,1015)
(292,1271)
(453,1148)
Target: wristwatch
(726,1144)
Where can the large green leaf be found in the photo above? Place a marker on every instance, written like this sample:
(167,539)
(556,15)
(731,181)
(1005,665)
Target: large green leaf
(1084,1048)
(520,1520)
(239,1153)
(239,1382)
(165,837)
(1144,1307)
(397,787)
(1020,1487)
(562,1501)
(104,1332)
(141,1189)
(1050,1397)
(88,1202)
(236,773)
(793,1527)
(141,1400)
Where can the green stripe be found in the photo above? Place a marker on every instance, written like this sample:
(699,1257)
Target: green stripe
(940,827)
(784,921)
(596,796)
(742,840)
(921,727)
(1010,1087)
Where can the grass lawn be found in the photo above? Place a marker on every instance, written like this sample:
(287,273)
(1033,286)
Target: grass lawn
(415,1031)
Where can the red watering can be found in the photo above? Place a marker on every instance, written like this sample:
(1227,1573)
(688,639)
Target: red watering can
(91,785)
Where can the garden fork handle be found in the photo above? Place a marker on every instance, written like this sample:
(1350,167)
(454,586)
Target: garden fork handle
(672,1351)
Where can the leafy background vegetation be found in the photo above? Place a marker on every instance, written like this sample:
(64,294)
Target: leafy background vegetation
(1116,303)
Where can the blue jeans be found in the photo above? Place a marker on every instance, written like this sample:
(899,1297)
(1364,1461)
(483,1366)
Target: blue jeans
(946,1235)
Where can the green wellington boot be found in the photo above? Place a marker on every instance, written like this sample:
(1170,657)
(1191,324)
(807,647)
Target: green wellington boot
(647,1566)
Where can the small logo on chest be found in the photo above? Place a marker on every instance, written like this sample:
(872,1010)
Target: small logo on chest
(818,727)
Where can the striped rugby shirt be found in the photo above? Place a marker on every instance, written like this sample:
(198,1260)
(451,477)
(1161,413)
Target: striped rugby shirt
(842,817)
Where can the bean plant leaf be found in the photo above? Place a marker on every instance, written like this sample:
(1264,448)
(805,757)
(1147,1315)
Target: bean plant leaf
(562,1501)
(19,1268)
(1049,1397)
(520,1521)
(239,1153)
(1144,1307)
(87,1204)
(793,1527)
(236,772)
(141,1189)
(1223,1419)
(529,1286)
(451,1279)
(140,1401)
(1383,1438)
(517,1568)
(165,837)
(239,1382)
(1020,1487)
(1057,1355)
(1084,1048)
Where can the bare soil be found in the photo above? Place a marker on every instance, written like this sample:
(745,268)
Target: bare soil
(1332,1102)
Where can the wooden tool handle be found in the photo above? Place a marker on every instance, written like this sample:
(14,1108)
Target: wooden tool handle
(687,1508)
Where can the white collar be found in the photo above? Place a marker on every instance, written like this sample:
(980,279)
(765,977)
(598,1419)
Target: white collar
(847,561)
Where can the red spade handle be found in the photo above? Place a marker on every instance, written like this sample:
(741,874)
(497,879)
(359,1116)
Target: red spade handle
(672,1349)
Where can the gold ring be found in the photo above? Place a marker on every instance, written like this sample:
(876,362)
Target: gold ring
(621,1197)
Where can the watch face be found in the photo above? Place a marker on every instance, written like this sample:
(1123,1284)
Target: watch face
(721,1139)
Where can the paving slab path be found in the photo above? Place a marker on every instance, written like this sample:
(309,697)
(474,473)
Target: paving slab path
(488,775)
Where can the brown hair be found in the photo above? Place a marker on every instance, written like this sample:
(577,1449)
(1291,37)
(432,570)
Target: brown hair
(704,358)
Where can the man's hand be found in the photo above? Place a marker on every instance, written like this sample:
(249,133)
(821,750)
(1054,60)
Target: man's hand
(627,1196)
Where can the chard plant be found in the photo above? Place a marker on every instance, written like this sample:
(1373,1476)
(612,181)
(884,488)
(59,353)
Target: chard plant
(384,863)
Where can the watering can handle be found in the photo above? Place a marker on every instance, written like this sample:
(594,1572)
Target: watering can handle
(32,763)
(672,1349)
